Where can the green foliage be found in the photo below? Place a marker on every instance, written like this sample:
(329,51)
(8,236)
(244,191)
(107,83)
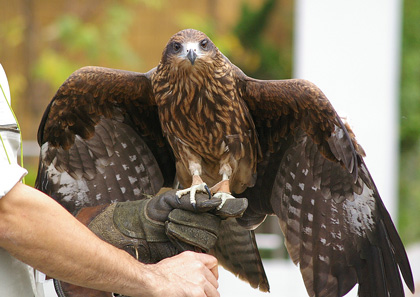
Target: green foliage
(76,43)
(267,60)
(195,21)
(75,35)
(156,4)
(12,32)
(53,67)
(410,79)
(409,221)
(245,44)
(251,25)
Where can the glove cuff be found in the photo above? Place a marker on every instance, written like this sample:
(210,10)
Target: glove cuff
(124,226)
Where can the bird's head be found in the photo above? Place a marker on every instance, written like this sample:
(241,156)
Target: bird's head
(190,50)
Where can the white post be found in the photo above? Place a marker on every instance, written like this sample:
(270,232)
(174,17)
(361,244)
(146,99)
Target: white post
(350,49)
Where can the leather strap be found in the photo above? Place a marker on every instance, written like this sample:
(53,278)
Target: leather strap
(86,215)
(68,290)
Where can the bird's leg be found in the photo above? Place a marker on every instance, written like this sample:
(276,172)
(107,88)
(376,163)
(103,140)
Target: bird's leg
(222,190)
(196,185)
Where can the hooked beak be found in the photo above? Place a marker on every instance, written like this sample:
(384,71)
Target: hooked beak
(191,56)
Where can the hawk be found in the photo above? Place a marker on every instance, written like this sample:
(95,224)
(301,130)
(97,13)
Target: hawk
(113,135)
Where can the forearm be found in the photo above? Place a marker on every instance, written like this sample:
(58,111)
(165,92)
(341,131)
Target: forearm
(39,232)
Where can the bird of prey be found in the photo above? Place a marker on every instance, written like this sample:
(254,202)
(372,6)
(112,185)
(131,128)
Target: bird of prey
(111,135)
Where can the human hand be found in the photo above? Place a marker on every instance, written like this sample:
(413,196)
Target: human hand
(187,274)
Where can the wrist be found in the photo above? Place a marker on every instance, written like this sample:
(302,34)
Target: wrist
(148,280)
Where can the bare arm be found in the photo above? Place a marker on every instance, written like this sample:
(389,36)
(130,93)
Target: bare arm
(38,231)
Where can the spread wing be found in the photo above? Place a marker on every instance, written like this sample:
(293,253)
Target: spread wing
(101,140)
(313,178)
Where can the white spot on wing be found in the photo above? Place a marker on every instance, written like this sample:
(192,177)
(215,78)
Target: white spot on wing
(132,179)
(310,217)
(325,259)
(297,198)
(71,190)
(294,210)
(292,175)
(360,212)
(139,168)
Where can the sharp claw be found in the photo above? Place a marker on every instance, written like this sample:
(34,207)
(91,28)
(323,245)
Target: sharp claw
(177,199)
(192,190)
(224,197)
(208,191)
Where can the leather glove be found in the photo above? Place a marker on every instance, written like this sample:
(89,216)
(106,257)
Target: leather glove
(162,226)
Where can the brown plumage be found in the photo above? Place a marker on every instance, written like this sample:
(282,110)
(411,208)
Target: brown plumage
(202,114)
(111,135)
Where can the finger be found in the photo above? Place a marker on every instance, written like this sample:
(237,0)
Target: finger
(215,271)
(211,291)
(211,275)
(211,284)
(210,262)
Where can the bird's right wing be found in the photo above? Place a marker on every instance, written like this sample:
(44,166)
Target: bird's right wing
(101,140)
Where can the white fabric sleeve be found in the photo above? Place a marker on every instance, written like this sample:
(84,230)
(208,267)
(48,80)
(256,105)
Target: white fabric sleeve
(10,175)
(10,172)
(6,115)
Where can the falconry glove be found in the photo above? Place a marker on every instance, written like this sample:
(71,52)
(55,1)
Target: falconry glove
(163,226)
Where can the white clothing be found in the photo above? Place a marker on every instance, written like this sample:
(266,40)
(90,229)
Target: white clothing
(16,278)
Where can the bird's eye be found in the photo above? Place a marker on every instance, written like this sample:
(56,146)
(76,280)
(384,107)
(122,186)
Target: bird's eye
(176,46)
(204,43)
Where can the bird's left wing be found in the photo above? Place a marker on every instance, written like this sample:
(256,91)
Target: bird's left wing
(313,178)
(101,140)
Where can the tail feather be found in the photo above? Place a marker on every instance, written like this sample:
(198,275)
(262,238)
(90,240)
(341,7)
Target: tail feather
(237,251)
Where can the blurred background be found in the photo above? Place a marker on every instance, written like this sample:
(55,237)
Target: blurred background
(43,41)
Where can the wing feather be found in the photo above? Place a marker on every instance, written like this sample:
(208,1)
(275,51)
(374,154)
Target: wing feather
(92,94)
(313,178)
(236,251)
(115,164)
